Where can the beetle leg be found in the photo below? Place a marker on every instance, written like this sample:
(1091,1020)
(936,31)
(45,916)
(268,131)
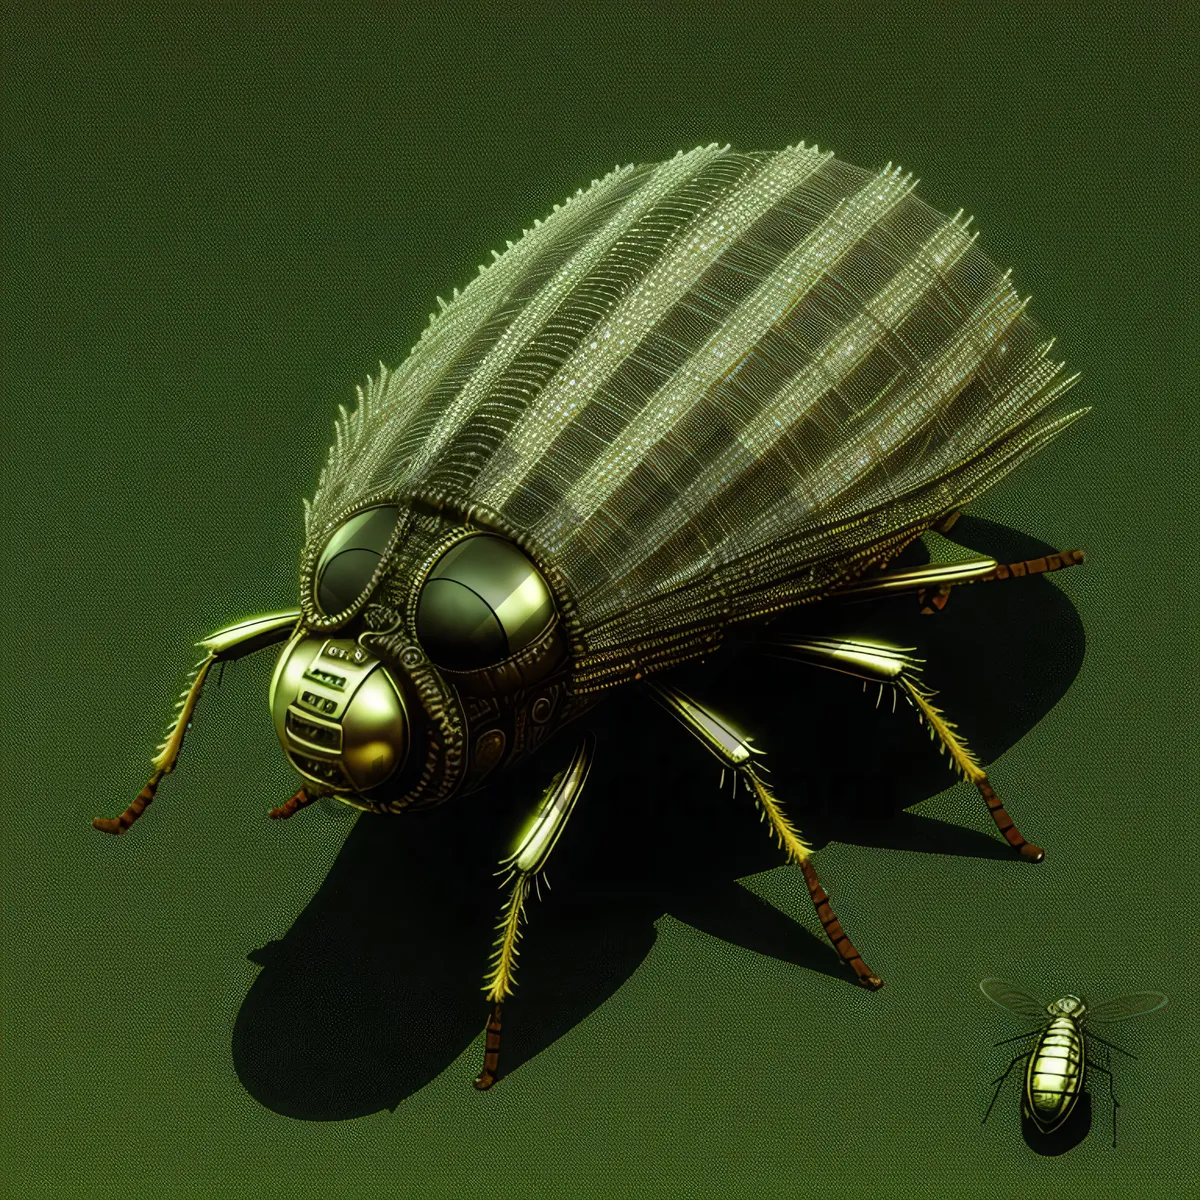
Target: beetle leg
(736,753)
(932,581)
(226,645)
(522,867)
(968,764)
(879,663)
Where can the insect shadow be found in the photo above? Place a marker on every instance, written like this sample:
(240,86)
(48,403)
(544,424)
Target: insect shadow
(376,988)
(1066,1137)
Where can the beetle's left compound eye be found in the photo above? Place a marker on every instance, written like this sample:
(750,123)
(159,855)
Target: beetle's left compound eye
(350,558)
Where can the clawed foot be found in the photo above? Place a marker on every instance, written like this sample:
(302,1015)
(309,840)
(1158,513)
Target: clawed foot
(144,798)
(491,1056)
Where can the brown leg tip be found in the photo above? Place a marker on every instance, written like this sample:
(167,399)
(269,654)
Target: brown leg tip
(1032,853)
(484,1081)
(107,825)
(871,982)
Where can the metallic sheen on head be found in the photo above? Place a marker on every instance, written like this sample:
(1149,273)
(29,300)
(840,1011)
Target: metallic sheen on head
(1067,1006)
(350,558)
(483,602)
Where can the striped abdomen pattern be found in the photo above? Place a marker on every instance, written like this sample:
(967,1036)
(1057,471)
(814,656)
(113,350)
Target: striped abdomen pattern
(707,389)
(1054,1077)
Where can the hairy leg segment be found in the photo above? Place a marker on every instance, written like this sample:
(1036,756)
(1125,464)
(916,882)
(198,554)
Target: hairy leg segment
(736,753)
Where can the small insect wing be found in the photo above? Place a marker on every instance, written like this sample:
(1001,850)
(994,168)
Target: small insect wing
(1011,998)
(1124,1008)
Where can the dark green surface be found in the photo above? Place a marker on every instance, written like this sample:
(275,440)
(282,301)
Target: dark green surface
(215,223)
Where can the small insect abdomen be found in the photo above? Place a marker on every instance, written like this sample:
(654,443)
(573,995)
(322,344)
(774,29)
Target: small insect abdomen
(1055,1075)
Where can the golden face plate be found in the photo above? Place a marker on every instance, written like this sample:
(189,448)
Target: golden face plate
(339,714)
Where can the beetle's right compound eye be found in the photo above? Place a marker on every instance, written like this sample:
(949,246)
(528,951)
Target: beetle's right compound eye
(350,558)
(484,600)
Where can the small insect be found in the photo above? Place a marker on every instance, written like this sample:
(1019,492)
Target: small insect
(1058,1061)
(700,393)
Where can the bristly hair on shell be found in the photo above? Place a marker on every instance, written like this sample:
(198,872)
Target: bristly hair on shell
(382,394)
(707,390)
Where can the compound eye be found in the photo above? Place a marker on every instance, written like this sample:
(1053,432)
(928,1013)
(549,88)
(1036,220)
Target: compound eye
(351,557)
(483,602)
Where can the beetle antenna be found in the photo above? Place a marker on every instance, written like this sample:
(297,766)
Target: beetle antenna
(289,808)
(141,802)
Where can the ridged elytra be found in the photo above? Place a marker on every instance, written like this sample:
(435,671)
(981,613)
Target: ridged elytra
(699,394)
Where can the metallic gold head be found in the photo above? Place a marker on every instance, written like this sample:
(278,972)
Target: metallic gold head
(339,714)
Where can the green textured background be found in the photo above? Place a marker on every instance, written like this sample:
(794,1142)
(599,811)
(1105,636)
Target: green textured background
(215,222)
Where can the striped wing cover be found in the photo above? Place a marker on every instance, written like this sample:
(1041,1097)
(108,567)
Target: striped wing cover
(708,389)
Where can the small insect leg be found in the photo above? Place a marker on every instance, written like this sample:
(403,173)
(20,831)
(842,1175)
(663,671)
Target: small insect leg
(1095,1037)
(1111,1094)
(1000,1083)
